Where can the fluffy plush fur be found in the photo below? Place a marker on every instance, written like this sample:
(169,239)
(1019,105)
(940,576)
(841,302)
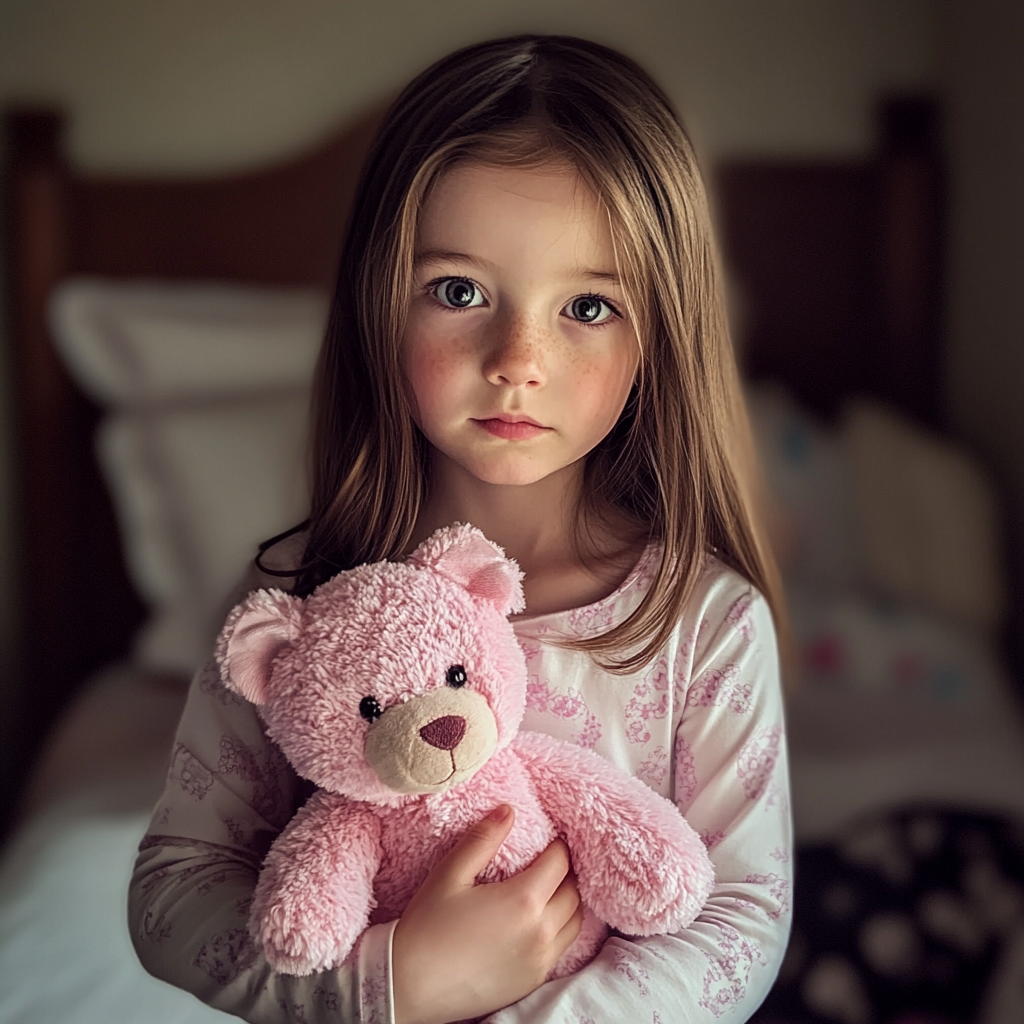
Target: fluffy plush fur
(398,688)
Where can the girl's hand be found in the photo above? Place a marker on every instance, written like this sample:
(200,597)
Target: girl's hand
(463,950)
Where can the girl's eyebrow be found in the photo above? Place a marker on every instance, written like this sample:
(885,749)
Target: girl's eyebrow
(449,256)
(600,275)
(427,256)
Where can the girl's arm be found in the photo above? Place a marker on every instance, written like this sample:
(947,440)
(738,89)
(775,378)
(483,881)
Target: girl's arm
(731,782)
(229,792)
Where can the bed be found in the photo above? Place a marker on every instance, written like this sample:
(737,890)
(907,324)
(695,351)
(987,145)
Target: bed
(163,334)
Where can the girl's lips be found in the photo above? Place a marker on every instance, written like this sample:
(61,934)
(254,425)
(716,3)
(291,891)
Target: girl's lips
(520,430)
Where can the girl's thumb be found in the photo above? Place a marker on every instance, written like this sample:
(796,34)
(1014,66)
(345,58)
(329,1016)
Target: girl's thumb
(478,845)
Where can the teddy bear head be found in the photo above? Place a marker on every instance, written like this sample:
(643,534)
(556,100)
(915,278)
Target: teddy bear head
(391,679)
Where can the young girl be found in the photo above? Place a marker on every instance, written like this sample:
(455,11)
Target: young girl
(527,334)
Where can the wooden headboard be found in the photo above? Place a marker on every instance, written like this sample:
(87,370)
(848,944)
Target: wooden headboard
(839,264)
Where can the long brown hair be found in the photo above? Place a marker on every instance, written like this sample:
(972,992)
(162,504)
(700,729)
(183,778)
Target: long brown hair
(679,460)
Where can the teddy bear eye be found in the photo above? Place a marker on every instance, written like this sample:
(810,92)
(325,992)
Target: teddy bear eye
(455,676)
(370,709)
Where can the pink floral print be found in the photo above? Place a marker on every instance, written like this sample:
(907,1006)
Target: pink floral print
(374,994)
(629,963)
(718,687)
(654,767)
(725,981)
(236,830)
(207,885)
(650,700)
(711,837)
(156,927)
(778,889)
(757,760)
(593,618)
(226,955)
(327,997)
(210,684)
(686,774)
(569,705)
(189,772)
(374,988)
(740,617)
(263,769)
(294,1012)
(778,796)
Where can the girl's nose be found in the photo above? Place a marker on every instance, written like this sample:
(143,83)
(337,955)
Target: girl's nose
(515,356)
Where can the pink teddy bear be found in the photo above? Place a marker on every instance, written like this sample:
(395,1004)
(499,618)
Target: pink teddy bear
(398,689)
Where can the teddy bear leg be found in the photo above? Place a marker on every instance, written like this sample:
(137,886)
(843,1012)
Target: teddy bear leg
(585,947)
(315,890)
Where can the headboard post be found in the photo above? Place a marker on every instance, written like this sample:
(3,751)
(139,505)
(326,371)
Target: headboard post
(907,364)
(48,416)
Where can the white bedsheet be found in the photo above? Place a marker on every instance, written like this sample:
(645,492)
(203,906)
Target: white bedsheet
(65,954)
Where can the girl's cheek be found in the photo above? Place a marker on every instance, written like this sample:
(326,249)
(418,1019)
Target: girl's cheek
(432,367)
(607,377)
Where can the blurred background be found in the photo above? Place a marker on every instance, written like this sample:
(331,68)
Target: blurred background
(188,90)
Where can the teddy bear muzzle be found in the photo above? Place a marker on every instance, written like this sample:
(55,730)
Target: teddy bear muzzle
(432,742)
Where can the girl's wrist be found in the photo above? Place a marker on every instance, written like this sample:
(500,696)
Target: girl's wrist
(413,1003)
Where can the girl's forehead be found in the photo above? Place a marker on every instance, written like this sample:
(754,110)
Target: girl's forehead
(476,209)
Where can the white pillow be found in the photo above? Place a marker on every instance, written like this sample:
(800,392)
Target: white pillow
(147,342)
(204,444)
(927,518)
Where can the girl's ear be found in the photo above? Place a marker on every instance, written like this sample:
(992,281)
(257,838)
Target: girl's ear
(261,627)
(462,554)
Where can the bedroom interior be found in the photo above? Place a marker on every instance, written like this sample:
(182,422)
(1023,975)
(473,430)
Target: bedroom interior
(134,468)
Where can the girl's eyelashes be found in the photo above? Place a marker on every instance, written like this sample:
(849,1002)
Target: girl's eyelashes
(456,292)
(592,310)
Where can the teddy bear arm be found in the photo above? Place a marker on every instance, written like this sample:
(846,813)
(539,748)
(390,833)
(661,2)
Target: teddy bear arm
(639,864)
(315,891)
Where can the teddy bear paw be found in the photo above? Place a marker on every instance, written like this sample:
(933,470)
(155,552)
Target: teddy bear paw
(301,947)
(646,896)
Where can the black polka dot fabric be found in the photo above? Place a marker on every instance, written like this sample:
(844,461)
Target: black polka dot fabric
(911,917)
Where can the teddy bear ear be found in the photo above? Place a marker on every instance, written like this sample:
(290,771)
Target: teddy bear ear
(462,554)
(256,631)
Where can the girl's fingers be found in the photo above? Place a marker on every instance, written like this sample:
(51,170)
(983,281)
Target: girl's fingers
(568,932)
(474,850)
(546,872)
(564,900)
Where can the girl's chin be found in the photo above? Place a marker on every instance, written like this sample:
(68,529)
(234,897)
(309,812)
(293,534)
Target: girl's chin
(501,468)
(512,473)
(510,479)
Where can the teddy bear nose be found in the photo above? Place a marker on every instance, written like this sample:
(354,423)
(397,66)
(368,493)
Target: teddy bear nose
(445,733)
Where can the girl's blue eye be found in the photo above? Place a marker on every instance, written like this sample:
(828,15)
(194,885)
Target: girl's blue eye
(590,309)
(457,293)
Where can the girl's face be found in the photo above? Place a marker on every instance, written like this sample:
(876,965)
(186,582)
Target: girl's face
(518,353)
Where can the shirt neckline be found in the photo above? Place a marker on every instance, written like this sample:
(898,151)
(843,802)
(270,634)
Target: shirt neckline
(588,610)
